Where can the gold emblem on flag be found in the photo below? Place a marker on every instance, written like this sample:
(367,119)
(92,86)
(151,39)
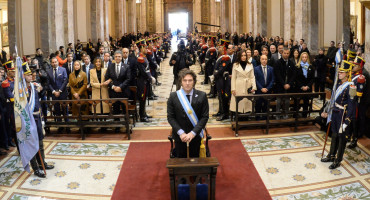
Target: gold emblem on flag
(190,112)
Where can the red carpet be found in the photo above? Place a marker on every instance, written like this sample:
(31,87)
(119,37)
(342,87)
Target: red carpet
(144,174)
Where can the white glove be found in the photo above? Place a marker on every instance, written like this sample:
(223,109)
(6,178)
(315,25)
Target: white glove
(153,80)
(343,128)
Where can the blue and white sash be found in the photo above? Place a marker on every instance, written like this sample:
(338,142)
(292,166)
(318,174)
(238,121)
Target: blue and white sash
(356,77)
(188,109)
(31,103)
(341,88)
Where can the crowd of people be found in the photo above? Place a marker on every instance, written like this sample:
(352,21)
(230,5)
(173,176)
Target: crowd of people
(233,65)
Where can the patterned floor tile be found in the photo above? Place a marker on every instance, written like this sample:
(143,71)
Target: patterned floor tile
(279,143)
(296,169)
(349,191)
(10,171)
(89,149)
(358,159)
(18,196)
(77,176)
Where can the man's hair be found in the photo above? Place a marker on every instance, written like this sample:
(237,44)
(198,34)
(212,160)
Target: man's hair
(185,72)
(69,53)
(286,49)
(106,52)
(118,52)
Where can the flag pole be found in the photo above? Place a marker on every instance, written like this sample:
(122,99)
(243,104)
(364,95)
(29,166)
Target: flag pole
(42,162)
(326,139)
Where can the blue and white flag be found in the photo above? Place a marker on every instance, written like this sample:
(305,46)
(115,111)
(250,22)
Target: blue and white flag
(338,56)
(27,136)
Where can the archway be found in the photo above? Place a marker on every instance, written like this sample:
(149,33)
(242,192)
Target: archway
(178,22)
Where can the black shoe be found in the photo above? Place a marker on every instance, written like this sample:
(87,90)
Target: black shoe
(327,159)
(201,73)
(154,95)
(147,116)
(334,165)
(211,96)
(60,130)
(117,130)
(216,115)
(11,143)
(152,98)
(39,173)
(222,117)
(145,119)
(353,144)
(158,84)
(204,83)
(47,166)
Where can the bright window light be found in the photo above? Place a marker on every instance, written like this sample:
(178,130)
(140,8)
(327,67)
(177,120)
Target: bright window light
(178,21)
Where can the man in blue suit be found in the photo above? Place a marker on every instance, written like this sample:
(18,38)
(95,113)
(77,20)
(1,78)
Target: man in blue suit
(265,79)
(58,81)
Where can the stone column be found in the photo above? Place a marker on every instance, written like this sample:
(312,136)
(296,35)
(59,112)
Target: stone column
(158,4)
(118,17)
(224,16)
(97,19)
(259,17)
(143,26)
(13,16)
(313,28)
(197,14)
(106,19)
(234,16)
(131,4)
(289,19)
(47,26)
(346,22)
(301,20)
(251,15)
(213,14)
(59,20)
(69,34)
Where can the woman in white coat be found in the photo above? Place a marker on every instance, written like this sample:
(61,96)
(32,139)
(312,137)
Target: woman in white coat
(242,80)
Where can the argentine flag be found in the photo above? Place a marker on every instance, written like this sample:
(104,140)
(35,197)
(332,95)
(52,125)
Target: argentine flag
(338,56)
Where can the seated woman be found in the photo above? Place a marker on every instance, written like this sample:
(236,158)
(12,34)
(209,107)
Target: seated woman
(78,84)
(99,86)
(305,79)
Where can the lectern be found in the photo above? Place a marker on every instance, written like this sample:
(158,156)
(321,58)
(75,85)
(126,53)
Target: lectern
(198,173)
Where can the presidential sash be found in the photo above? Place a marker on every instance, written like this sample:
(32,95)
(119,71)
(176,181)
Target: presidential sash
(188,109)
(341,88)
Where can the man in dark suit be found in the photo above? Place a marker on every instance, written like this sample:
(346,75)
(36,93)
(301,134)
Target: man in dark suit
(183,130)
(118,76)
(69,64)
(86,68)
(285,75)
(58,81)
(131,62)
(106,60)
(265,79)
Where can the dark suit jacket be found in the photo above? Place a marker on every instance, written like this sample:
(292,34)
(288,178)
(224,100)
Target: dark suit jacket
(65,66)
(91,66)
(121,81)
(303,81)
(178,118)
(131,62)
(284,74)
(260,79)
(60,83)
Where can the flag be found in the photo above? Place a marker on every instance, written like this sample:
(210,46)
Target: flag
(329,108)
(338,56)
(27,137)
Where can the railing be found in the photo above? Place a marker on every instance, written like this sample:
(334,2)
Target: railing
(270,98)
(91,120)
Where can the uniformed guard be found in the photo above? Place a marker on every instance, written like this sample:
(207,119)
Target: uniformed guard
(33,90)
(359,81)
(210,62)
(8,88)
(342,115)
(221,73)
(202,56)
(144,78)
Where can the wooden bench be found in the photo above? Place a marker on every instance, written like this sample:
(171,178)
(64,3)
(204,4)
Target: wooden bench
(93,120)
(295,98)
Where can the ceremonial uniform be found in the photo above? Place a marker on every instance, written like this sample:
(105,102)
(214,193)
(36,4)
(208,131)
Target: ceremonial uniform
(8,88)
(210,61)
(143,83)
(358,121)
(341,117)
(221,73)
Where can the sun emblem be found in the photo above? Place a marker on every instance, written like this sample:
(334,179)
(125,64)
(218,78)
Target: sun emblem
(99,176)
(299,177)
(60,174)
(73,185)
(84,166)
(336,172)
(285,159)
(35,182)
(272,170)
(310,165)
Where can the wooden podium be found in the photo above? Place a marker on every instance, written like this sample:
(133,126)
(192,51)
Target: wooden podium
(193,171)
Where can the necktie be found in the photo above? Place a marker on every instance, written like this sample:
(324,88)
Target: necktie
(55,74)
(265,74)
(117,70)
(87,72)
(125,61)
(70,68)
(188,96)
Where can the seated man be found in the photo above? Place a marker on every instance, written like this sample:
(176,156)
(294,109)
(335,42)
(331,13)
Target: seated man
(184,108)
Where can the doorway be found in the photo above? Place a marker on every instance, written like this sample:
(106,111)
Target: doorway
(178,21)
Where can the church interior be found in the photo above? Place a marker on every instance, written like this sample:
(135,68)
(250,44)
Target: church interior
(281,153)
